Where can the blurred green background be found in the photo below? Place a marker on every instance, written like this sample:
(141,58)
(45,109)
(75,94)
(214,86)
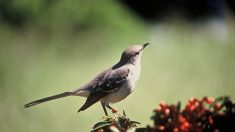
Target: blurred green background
(52,46)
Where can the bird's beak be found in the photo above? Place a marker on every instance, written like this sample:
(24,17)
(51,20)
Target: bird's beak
(144,45)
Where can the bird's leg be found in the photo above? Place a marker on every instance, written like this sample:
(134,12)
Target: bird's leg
(105,111)
(113,110)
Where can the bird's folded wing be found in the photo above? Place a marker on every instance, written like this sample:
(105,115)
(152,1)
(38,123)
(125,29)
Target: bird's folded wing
(110,82)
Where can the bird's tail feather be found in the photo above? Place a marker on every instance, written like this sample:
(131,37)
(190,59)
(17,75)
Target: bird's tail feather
(48,99)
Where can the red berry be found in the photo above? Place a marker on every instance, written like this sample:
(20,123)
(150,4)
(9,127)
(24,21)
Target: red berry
(192,107)
(181,118)
(211,120)
(163,104)
(209,100)
(196,104)
(186,124)
(161,128)
(158,109)
(192,100)
(167,111)
(176,130)
(217,106)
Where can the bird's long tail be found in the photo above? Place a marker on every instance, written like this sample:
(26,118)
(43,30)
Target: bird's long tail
(65,94)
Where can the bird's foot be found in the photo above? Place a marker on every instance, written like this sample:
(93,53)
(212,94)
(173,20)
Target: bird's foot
(114,111)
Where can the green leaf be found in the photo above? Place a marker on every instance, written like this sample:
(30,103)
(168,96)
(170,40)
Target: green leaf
(124,113)
(100,125)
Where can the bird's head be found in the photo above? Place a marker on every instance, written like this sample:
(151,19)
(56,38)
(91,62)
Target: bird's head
(133,54)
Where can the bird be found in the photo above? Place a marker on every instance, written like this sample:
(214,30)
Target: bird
(110,86)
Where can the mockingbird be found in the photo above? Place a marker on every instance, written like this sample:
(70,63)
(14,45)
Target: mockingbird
(111,85)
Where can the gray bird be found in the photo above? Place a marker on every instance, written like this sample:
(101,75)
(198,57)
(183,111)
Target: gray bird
(110,86)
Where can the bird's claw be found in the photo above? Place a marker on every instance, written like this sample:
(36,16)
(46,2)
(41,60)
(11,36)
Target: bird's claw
(114,111)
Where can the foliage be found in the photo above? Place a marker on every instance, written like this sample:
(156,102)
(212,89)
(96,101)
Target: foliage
(206,114)
(120,123)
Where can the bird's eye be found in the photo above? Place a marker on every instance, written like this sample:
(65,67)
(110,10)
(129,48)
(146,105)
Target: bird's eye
(136,53)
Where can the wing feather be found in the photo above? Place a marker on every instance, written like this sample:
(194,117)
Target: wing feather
(106,85)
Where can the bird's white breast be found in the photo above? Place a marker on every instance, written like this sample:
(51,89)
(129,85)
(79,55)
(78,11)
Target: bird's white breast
(127,87)
(133,76)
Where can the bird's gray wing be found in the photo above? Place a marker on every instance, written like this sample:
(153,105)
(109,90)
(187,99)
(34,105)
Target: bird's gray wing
(108,84)
(92,84)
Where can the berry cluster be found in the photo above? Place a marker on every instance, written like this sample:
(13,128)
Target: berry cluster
(207,114)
